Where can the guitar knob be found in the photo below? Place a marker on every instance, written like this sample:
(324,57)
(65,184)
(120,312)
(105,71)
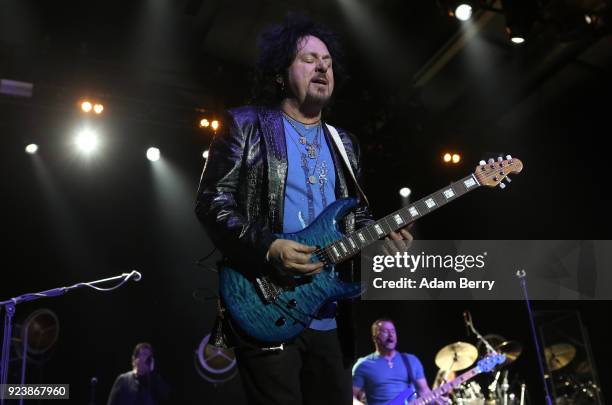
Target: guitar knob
(482,163)
(502,185)
(508,157)
(292,303)
(491,161)
(280,321)
(500,159)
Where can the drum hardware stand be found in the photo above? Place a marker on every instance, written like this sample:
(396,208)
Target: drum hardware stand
(470,324)
(10,307)
(522,276)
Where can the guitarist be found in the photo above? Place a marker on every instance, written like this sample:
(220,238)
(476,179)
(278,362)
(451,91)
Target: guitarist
(273,168)
(383,375)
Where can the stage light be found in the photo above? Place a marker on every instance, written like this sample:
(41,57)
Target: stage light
(86,106)
(405,192)
(87,141)
(520,17)
(214,124)
(204,123)
(153,154)
(447,157)
(98,108)
(205,154)
(456,158)
(31,148)
(463,12)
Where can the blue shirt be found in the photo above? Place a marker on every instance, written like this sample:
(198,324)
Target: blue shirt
(304,201)
(382,383)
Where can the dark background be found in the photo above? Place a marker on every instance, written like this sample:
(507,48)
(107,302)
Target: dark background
(421,84)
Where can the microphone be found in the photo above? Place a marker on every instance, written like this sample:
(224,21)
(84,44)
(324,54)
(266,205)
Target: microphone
(467,319)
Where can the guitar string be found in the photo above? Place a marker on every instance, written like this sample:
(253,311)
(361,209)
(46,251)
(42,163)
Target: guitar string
(327,249)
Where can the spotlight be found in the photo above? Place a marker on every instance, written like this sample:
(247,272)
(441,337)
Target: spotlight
(98,108)
(86,106)
(405,192)
(87,141)
(31,148)
(204,123)
(205,154)
(153,154)
(456,158)
(463,12)
(214,124)
(520,17)
(447,157)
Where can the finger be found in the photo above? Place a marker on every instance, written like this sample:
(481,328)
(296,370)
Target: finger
(406,235)
(297,257)
(302,248)
(307,268)
(395,236)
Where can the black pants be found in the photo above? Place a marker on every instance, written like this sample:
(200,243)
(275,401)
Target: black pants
(309,371)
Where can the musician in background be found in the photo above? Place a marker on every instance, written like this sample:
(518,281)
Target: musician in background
(383,375)
(273,168)
(142,385)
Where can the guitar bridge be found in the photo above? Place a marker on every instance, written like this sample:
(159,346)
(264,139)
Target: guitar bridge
(268,290)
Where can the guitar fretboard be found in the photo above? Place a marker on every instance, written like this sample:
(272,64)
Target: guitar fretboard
(353,243)
(445,388)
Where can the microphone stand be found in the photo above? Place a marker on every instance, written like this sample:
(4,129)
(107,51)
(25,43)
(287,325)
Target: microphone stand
(522,276)
(10,307)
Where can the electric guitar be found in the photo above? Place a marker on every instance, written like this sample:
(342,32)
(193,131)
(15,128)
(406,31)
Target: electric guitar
(485,365)
(269,311)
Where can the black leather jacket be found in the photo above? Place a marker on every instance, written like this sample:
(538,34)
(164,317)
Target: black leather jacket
(241,194)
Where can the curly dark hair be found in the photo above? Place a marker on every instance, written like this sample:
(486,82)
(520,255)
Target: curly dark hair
(278,46)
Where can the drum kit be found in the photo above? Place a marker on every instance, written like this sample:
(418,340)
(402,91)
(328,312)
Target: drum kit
(497,390)
(505,387)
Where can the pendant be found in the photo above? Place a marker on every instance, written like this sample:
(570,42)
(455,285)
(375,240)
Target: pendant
(312,179)
(303,140)
(312,152)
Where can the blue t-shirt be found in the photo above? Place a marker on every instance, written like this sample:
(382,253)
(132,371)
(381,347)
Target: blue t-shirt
(382,383)
(305,199)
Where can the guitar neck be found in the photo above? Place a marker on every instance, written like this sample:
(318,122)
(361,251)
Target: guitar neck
(446,388)
(355,242)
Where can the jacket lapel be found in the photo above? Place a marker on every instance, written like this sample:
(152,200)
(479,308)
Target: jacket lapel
(276,153)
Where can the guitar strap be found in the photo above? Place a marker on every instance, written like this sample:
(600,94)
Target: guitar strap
(347,163)
(404,358)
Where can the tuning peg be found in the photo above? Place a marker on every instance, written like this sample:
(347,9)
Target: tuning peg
(502,185)
(500,159)
(508,157)
(491,161)
(482,163)
(508,179)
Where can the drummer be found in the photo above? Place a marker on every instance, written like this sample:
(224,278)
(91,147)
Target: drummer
(383,375)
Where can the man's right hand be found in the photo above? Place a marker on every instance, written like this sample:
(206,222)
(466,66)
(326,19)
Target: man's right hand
(292,257)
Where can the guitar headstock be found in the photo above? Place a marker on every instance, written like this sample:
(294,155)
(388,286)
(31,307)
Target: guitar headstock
(488,363)
(493,172)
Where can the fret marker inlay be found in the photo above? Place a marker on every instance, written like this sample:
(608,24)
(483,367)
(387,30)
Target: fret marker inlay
(398,219)
(469,182)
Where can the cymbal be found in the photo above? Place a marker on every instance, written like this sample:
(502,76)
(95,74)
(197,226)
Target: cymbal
(511,349)
(456,356)
(559,355)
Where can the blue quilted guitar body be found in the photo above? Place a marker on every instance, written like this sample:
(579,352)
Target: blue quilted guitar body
(288,311)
